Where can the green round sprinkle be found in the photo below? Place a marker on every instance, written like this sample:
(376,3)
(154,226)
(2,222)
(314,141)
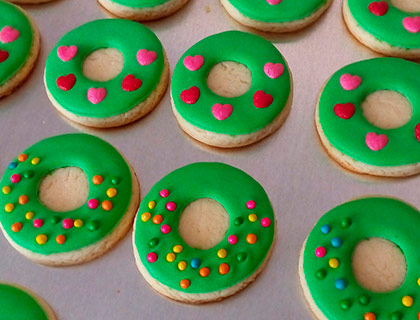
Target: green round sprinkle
(153,242)
(345,304)
(55,219)
(395,316)
(364,299)
(93,225)
(115,180)
(28,174)
(345,223)
(321,274)
(238,221)
(241,257)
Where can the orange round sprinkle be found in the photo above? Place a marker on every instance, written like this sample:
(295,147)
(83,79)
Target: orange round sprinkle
(107,205)
(370,316)
(23,199)
(224,268)
(204,272)
(185,283)
(251,238)
(157,219)
(418,315)
(16,227)
(22,157)
(60,239)
(97,179)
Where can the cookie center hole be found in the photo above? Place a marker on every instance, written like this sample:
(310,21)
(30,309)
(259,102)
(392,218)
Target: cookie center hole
(407,5)
(379,265)
(229,79)
(64,189)
(387,109)
(203,223)
(103,64)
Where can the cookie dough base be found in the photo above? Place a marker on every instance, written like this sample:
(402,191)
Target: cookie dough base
(274,26)
(374,43)
(143,14)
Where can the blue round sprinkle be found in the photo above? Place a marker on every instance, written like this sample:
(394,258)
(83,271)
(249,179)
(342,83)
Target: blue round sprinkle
(195,263)
(12,165)
(336,242)
(340,284)
(325,229)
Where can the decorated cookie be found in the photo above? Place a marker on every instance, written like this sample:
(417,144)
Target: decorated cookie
(276,15)
(383,27)
(52,232)
(18,303)
(29,1)
(353,141)
(326,261)
(226,121)
(184,273)
(19,46)
(134,92)
(143,9)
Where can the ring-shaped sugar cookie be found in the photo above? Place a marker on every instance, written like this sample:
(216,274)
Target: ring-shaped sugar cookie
(325,264)
(127,97)
(231,122)
(187,274)
(353,141)
(63,238)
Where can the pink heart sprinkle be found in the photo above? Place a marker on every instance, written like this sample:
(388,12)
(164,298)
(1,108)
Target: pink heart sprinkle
(417,132)
(345,111)
(66,53)
(222,111)
(191,95)
(349,82)
(375,141)
(274,2)
(193,63)
(412,24)
(262,99)
(96,95)
(8,34)
(273,70)
(146,57)
(379,8)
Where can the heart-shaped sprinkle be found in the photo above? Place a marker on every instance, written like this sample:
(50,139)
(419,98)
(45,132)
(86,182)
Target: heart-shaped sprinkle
(131,83)
(379,8)
(191,95)
(274,2)
(273,70)
(96,95)
(375,141)
(3,55)
(66,53)
(146,57)
(8,34)
(66,82)
(412,24)
(350,82)
(193,63)
(417,132)
(344,111)
(262,99)
(222,111)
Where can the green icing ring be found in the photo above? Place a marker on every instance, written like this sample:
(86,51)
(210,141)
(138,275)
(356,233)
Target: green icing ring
(126,36)
(376,74)
(353,222)
(285,11)
(19,49)
(388,27)
(18,304)
(248,49)
(141,3)
(95,157)
(233,189)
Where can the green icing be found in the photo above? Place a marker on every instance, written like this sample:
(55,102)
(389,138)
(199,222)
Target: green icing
(370,217)
(12,16)
(141,3)
(348,136)
(17,304)
(389,27)
(126,36)
(95,157)
(232,188)
(248,49)
(285,11)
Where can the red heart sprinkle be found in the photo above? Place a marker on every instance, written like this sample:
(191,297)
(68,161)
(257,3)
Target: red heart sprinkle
(191,95)
(262,99)
(344,111)
(131,83)
(417,132)
(66,82)
(3,55)
(379,8)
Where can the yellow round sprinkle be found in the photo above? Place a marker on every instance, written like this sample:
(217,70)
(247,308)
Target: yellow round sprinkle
(252,217)
(145,216)
(222,253)
(78,223)
(334,263)
(182,265)
(9,207)
(418,281)
(35,161)
(41,239)
(152,204)
(407,301)
(111,192)
(6,189)
(29,215)
(170,257)
(178,248)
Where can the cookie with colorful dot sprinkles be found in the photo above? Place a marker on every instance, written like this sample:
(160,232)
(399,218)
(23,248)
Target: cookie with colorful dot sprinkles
(203,233)
(67,199)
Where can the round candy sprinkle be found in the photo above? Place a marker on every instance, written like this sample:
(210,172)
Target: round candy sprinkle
(170,257)
(145,216)
(251,238)
(333,263)
(6,189)
(222,253)
(153,242)
(395,316)
(28,174)
(320,252)
(23,199)
(250,204)
(238,221)
(151,205)
(418,281)
(325,229)
(321,274)
(336,242)
(60,239)
(224,268)
(78,223)
(165,229)
(22,157)
(93,203)
(15,178)
(233,239)
(16,227)
(182,265)
(345,223)
(111,192)
(93,225)
(115,181)
(164,193)
(266,222)
(195,263)
(171,206)
(35,161)
(340,284)
(29,215)
(68,223)
(369,316)
(252,217)
(407,301)
(38,223)
(204,272)
(9,207)
(241,257)
(41,239)
(157,219)
(185,283)
(364,299)
(107,205)
(178,248)
(55,219)
(345,304)
(152,257)
(12,165)
(97,179)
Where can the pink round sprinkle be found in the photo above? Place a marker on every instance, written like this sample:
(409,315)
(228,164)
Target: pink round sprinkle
(233,239)
(171,206)
(266,222)
(165,229)
(93,203)
(38,223)
(250,204)
(152,257)
(164,193)
(15,178)
(68,223)
(320,252)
